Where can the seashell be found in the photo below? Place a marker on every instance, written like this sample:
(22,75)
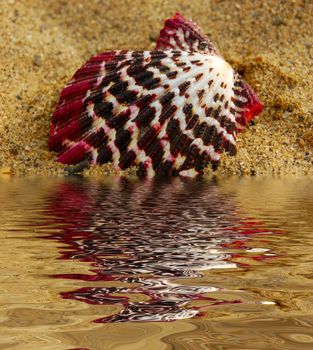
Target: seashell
(172,110)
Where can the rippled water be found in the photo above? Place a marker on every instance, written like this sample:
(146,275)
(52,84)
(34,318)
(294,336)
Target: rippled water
(122,263)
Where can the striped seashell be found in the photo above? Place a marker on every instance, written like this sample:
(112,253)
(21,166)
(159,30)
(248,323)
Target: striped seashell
(172,110)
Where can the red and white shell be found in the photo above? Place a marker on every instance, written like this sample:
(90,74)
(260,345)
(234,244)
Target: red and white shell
(172,110)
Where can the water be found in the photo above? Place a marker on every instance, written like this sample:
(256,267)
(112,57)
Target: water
(122,263)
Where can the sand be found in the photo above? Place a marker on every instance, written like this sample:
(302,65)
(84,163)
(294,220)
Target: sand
(43,42)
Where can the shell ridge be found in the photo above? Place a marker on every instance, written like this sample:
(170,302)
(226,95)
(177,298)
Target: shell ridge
(208,149)
(147,145)
(180,118)
(180,33)
(169,110)
(181,77)
(189,76)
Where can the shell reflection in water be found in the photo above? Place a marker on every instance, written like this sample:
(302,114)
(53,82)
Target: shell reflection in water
(150,236)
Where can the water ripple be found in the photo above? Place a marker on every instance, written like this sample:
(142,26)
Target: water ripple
(150,236)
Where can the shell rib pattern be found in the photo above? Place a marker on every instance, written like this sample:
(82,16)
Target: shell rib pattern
(172,110)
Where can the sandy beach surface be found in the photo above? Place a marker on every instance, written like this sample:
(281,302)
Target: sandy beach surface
(42,43)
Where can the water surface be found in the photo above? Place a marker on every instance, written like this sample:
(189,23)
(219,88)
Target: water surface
(123,263)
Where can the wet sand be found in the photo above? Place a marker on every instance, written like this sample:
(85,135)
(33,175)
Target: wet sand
(269,42)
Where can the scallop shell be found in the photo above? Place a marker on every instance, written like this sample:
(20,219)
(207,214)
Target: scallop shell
(172,110)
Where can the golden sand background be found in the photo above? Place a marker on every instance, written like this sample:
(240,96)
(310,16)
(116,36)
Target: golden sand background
(270,42)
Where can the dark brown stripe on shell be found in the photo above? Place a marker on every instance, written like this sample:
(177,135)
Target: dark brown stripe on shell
(145,115)
(127,160)
(172,128)
(97,139)
(180,145)
(187,109)
(202,161)
(144,100)
(146,138)
(227,124)
(191,154)
(155,152)
(200,94)
(216,97)
(118,120)
(171,74)
(115,76)
(176,54)
(209,135)
(146,80)
(230,148)
(239,103)
(218,142)
(127,97)
(167,98)
(199,130)
(167,113)
(104,109)
(183,87)
(135,68)
(192,122)
(104,154)
(123,138)
(164,69)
